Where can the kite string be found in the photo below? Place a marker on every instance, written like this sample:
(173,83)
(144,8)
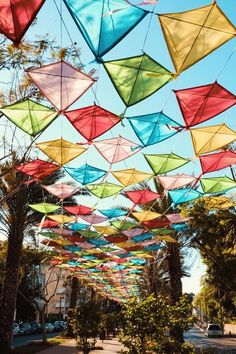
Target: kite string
(226,63)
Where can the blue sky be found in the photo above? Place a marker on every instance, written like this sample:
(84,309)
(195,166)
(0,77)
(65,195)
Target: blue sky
(204,72)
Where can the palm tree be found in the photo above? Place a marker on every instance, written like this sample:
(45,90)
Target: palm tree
(16,221)
(172,266)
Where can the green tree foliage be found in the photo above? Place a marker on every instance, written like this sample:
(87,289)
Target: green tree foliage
(146,325)
(86,325)
(213,232)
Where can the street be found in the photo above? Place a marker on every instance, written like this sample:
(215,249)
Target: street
(224,345)
(23,340)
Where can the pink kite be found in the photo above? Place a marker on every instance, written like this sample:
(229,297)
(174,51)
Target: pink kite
(142,196)
(92,121)
(61,190)
(177,181)
(93,218)
(79,210)
(61,83)
(133,232)
(38,169)
(217,161)
(16,16)
(176,218)
(116,149)
(201,103)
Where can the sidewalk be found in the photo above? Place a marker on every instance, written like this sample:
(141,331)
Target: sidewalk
(110,346)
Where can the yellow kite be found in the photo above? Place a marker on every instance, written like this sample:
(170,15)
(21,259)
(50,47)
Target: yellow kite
(192,35)
(131,176)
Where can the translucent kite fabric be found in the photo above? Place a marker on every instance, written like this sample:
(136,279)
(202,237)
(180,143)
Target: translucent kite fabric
(104,190)
(78,210)
(201,103)
(131,176)
(38,169)
(16,16)
(142,196)
(177,181)
(93,218)
(60,150)
(162,163)
(184,195)
(60,83)
(217,184)
(85,174)
(113,213)
(44,207)
(145,215)
(154,128)
(116,149)
(192,35)
(137,78)
(104,23)
(215,162)
(211,138)
(29,116)
(62,219)
(61,190)
(92,121)
(47,224)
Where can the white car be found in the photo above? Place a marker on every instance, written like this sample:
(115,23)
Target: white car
(213,330)
(16,329)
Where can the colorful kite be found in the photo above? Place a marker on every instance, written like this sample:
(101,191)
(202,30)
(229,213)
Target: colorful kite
(38,169)
(60,83)
(61,218)
(177,181)
(92,121)
(142,196)
(217,184)
(30,116)
(201,103)
(192,35)
(16,17)
(154,128)
(137,78)
(163,163)
(104,23)
(104,190)
(61,190)
(85,174)
(184,195)
(93,218)
(60,150)
(114,213)
(131,176)
(44,208)
(78,210)
(215,162)
(211,138)
(116,149)
(145,215)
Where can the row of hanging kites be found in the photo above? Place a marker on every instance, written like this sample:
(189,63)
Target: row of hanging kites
(112,256)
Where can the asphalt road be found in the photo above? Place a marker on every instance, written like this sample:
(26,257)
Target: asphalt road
(222,344)
(23,340)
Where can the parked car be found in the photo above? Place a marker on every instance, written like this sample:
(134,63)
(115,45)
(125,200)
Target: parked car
(213,330)
(49,327)
(16,329)
(60,326)
(26,327)
(36,327)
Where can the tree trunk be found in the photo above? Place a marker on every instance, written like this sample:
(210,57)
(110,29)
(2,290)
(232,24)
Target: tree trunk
(42,315)
(73,303)
(9,291)
(175,274)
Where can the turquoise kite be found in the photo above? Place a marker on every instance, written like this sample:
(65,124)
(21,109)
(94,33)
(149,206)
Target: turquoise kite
(104,23)
(85,174)
(154,128)
(184,195)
